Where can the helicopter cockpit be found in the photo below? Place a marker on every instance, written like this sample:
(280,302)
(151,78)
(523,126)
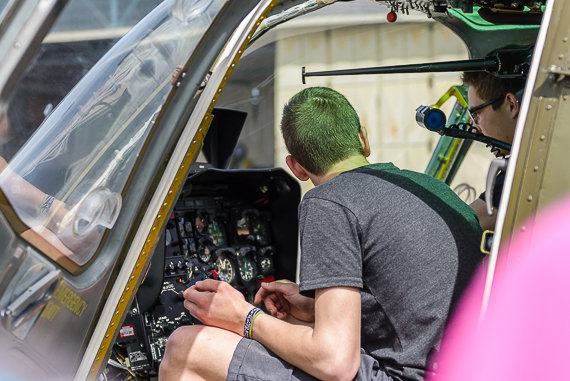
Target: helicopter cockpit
(161,167)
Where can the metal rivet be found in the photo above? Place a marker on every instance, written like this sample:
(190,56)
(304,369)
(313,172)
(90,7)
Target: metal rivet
(535,168)
(523,228)
(549,107)
(529,198)
(561,57)
(542,137)
(565,39)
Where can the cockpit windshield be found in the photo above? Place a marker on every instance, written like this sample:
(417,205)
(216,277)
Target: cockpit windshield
(65,183)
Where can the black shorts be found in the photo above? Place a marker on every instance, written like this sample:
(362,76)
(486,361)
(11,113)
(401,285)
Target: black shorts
(252,361)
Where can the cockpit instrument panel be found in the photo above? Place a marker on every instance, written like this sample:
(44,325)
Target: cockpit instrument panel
(240,223)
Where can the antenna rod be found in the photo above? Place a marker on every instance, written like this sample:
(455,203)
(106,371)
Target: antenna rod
(490,64)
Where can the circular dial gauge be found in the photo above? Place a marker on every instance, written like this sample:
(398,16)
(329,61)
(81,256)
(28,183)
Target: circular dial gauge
(204,253)
(201,223)
(247,269)
(216,233)
(226,271)
(260,231)
(243,226)
(266,265)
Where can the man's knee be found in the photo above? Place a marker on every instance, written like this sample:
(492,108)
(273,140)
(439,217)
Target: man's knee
(180,343)
(177,355)
(198,350)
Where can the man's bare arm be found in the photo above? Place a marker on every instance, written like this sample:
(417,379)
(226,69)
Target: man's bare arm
(329,350)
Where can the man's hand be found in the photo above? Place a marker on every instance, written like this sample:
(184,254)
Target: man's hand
(218,304)
(283,300)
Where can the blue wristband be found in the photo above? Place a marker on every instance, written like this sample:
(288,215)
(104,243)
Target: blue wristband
(249,321)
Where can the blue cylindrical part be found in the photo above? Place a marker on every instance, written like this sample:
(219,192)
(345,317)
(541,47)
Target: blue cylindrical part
(431,118)
(435,120)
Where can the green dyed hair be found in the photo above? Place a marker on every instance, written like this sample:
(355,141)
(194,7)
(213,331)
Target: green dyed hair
(320,128)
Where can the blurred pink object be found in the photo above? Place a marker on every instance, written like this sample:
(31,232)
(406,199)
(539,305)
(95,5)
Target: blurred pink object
(525,334)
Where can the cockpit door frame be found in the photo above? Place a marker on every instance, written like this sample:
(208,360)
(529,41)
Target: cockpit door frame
(193,109)
(537,174)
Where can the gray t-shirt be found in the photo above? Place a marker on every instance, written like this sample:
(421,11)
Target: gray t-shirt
(406,241)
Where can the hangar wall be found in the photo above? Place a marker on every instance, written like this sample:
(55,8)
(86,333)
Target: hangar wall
(385,103)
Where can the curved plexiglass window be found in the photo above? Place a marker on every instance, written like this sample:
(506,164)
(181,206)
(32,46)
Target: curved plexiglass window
(65,183)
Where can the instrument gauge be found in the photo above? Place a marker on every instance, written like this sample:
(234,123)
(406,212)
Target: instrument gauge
(215,230)
(266,265)
(204,254)
(226,270)
(242,226)
(247,269)
(266,262)
(260,231)
(201,223)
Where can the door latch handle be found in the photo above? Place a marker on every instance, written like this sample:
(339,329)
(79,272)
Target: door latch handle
(31,301)
(496,166)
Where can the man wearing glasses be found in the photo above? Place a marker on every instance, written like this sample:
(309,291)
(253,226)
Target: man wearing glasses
(494,105)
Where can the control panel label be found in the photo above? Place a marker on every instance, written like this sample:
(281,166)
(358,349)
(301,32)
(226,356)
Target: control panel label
(127,330)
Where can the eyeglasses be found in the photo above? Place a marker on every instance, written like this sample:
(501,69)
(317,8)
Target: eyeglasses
(474,111)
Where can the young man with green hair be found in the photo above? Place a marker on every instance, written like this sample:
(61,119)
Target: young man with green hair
(385,253)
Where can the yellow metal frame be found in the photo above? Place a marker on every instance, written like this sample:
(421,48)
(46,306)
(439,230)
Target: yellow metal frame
(456,144)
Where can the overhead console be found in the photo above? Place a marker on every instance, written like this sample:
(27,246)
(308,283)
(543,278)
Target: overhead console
(238,224)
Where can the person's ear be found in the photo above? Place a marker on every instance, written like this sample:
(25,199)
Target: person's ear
(513,105)
(297,169)
(364,141)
